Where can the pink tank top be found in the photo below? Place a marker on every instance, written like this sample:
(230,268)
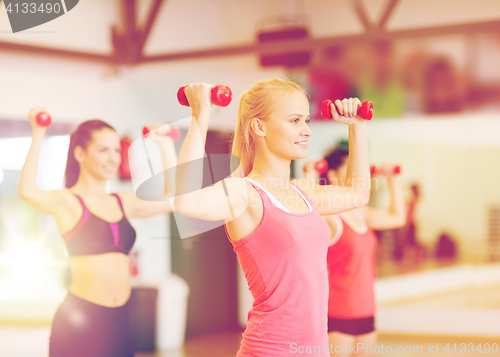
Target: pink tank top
(351,272)
(284,262)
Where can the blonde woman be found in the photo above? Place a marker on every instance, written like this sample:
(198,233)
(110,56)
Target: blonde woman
(273,222)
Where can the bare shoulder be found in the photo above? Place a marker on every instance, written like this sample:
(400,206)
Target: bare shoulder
(252,212)
(66,197)
(300,182)
(69,209)
(128,198)
(233,182)
(235,187)
(305,184)
(243,192)
(126,195)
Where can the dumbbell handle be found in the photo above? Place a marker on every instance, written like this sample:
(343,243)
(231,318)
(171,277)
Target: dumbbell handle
(174,133)
(320,166)
(43,119)
(365,109)
(220,95)
(396,170)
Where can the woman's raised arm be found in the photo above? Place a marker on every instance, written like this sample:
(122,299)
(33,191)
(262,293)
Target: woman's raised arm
(47,202)
(395,217)
(331,199)
(137,207)
(226,199)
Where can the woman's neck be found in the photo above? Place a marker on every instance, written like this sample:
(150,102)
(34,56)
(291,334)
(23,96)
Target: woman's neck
(272,174)
(90,186)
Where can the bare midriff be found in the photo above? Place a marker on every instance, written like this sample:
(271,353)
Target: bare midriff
(102,279)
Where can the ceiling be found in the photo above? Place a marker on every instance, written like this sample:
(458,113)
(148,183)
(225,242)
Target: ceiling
(137,31)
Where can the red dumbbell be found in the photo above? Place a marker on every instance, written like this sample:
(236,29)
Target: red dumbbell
(320,166)
(174,133)
(374,170)
(366,109)
(221,96)
(43,119)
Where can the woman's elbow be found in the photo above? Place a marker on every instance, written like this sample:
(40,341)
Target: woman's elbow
(362,198)
(23,194)
(395,222)
(401,222)
(184,207)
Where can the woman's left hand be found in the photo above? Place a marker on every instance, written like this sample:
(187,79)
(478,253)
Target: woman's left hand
(346,111)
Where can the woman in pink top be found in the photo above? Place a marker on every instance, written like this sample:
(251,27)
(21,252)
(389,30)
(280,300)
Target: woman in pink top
(351,260)
(274,223)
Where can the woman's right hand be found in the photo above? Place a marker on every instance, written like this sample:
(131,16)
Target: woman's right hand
(32,118)
(387,169)
(199,98)
(159,134)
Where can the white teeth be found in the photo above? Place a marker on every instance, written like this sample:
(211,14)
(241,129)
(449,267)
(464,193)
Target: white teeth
(301,143)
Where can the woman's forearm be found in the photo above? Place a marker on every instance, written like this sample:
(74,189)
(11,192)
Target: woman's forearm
(27,178)
(189,171)
(398,207)
(169,157)
(358,170)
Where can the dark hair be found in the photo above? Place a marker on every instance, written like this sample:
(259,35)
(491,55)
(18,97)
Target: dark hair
(82,136)
(335,158)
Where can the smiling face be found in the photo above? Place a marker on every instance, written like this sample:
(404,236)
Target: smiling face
(287,128)
(102,157)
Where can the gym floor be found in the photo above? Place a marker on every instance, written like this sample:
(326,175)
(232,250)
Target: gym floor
(13,342)
(14,338)
(227,344)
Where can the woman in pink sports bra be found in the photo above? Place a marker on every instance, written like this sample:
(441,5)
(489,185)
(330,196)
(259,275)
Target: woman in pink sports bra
(351,259)
(92,319)
(274,223)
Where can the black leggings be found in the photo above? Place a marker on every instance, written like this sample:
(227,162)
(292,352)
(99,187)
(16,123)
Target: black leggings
(84,329)
(352,326)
